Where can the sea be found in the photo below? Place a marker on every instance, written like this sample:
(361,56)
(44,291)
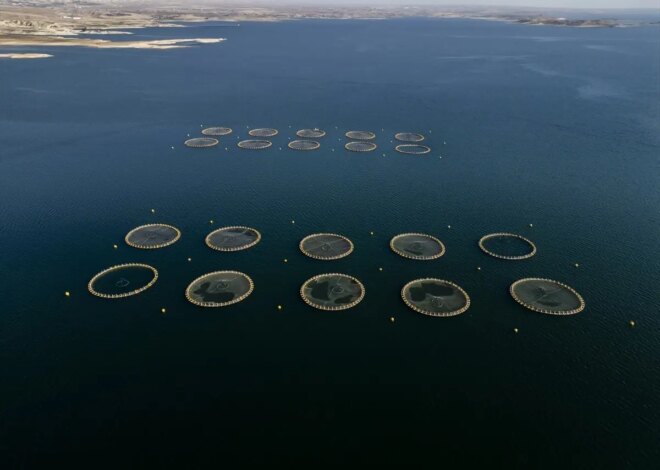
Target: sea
(549,132)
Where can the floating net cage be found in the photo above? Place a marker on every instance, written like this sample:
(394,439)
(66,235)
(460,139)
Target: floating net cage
(408,137)
(254,144)
(123,280)
(219,289)
(361,146)
(332,291)
(310,133)
(326,246)
(361,135)
(201,142)
(507,246)
(304,145)
(435,297)
(233,238)
(547,296)
(263,132)
(152,236)
(418,246)
(217,131)
(413,149)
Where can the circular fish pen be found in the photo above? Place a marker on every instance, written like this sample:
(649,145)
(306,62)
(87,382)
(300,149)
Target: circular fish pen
(547,296)
(508,246)
(332,292)
(413,149)
(361,146)
(219,289)
(152,236)
(217,131)
(254,144)
(201,142)
(435,297)
(418,246)
(361,135)
(263,132)
(326,246)
(310,133)
(304,145)
(122,280)
(233,238)
(408,137)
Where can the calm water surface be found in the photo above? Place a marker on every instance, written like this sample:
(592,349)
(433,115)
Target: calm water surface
(555,127)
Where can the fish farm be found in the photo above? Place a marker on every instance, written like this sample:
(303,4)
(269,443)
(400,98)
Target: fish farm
(507,246)
(201,142)
(219,289)
(326,246)
(152,236)
(217,131)
(123,280)
(233,238)
(547,296)
(332,292)
(418,246)
(435,297)
(304,145)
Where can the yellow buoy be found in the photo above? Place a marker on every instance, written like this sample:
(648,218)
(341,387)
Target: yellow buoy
(67,293)
(286,260)
(279,307)
(515,330)
(115,246)
(577,265)
(380,269)
(392,319)
(478,268)
(162,310)
(189,260)
(371,233)
(632,323)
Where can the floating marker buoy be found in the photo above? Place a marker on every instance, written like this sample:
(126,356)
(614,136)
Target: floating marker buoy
(211,221)
(67,294)
(293,221)
(286,260)
(531,225)
(515,330)
(189,260)
(162,310)
(478,268)
(632,323)
(577,265)
(188,135)
(172,147)
(448,226)
(279,307)
(226,148)
(371,233)
(392,319)
(115,246)
(380,269)
(153,211)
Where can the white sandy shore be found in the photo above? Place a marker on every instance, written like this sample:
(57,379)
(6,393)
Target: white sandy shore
(24,56)
(58,41)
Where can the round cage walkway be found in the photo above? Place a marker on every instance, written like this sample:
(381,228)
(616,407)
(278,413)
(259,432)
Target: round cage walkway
(435,297)
(263,132)
(201,142)
(326,246)
(219,289)
(361,146)
(408,137)
(332,292)
(361,135)
(304,145)
(234,238)
(547,296)
(254,144)
(310,133)
(113,283)
(523,247)
(417,246)
(217,131)
(413,149)
(152,236)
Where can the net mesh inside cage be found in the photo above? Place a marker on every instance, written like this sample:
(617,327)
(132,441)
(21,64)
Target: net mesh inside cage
(123,280)
(408,137)
(547,296)
(217,131)
(418,246)
(326,246)
(254,144)
(413,149)
(435,297)
(263,132)
(152,236)
(332,291)
(304,145)
(361,135)
(219,289)
(507,246)
(233,238)
(361,146)
(310,133)
(201,142)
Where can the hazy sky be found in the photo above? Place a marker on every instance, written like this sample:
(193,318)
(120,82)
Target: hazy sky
(529,3)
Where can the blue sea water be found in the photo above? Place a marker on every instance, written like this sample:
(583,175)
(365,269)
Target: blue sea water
(550,126)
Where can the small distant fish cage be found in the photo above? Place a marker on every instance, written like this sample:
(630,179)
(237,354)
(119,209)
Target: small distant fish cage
(233,238)
(255,144)
(123,280)
(418,246)
(547,296)
(152,236)
(263,132)
(326,246)
(219,289)
(201,142)
(332,292)
(413,149)
(509,246)
(408,137)
(435,297)
(217,131)
(310,133)
(361,135)
(304,145)
(361,146)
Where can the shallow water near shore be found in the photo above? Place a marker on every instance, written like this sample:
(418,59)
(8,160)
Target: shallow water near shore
(553,127)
